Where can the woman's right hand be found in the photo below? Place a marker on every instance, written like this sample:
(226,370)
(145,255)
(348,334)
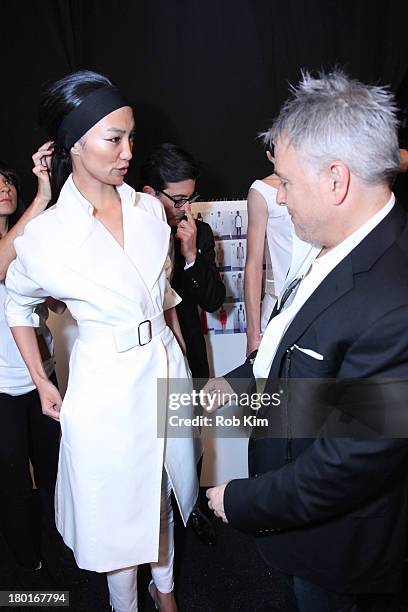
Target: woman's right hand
(50,397)
(41,169)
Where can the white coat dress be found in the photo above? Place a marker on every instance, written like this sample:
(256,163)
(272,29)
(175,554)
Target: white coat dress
(111,458)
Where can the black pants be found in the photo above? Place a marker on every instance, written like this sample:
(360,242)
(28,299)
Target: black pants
(26,435)
(304,596)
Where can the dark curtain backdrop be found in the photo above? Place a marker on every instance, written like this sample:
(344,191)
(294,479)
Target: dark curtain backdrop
(206,74)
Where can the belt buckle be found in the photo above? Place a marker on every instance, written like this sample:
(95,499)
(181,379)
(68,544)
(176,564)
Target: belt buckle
(150,332)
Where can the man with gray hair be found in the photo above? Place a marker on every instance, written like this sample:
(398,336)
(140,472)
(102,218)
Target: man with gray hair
(326,497)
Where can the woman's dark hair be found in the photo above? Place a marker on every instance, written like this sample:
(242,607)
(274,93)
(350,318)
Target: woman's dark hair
(56,102)
(168,163)
(9,173)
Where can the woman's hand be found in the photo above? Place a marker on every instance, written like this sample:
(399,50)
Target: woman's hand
(50,398)
(41,169)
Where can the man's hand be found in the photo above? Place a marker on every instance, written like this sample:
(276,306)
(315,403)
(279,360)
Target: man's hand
(187,234)
(216,501)
(215,393)
(50,399)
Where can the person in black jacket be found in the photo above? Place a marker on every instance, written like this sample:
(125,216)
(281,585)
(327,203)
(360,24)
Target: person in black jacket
(327,493)
(170,174)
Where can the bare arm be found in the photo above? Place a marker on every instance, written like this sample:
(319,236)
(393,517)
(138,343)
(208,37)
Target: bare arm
(55,305)
(26,340)
(37,206)
(257,220)
(172,321)
(404,160)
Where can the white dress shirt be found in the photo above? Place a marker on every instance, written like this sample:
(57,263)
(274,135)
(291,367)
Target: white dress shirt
(304,257)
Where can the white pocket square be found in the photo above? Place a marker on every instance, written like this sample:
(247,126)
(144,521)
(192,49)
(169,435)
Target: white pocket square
(309,352)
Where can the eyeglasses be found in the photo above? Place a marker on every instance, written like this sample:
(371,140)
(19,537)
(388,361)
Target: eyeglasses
(289,292)
(179,202)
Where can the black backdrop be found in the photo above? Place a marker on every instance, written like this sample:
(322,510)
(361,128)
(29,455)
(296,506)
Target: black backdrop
(206,74)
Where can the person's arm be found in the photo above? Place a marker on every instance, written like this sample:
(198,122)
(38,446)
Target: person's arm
(37,206)
(55,305)
(171,299)
(201,281)
(24,293)
(257,220)
(404,160)
(172,321)
(26,340)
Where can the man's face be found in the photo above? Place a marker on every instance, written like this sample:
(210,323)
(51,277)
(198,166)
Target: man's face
(302,190)
(182,189)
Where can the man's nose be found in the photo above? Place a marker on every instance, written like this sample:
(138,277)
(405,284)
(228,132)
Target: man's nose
(280,196)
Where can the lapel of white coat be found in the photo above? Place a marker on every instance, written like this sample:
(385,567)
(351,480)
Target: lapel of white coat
(147,234)
(93,253)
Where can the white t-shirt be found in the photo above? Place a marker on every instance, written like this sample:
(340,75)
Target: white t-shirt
(15,378)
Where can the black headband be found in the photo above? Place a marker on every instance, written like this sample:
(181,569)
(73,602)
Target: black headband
(94,107)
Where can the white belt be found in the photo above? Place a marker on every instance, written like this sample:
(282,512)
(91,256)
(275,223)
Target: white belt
(123,338)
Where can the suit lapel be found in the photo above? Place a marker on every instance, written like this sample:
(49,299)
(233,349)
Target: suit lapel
(335,285)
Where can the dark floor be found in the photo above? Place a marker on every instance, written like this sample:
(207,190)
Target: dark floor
(228,576)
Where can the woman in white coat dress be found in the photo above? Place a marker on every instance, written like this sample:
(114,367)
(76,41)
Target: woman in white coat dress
(102,249)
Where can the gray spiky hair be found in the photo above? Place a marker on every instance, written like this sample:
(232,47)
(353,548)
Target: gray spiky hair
(333,117)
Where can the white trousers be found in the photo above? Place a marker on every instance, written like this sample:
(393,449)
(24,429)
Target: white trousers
(122,583)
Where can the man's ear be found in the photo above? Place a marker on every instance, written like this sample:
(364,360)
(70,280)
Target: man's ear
(339,181)
(149,190)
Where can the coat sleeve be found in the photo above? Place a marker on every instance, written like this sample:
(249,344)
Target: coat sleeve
(202,282)
(23,292)
(333,476)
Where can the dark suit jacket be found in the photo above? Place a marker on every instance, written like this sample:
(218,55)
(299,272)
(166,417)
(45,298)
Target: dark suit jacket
(333,509)
(199,285)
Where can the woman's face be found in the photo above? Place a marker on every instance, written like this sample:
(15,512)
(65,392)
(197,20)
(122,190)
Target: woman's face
(8,196)
(105,151)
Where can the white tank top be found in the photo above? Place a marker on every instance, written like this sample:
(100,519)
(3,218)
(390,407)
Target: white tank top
(279,230)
